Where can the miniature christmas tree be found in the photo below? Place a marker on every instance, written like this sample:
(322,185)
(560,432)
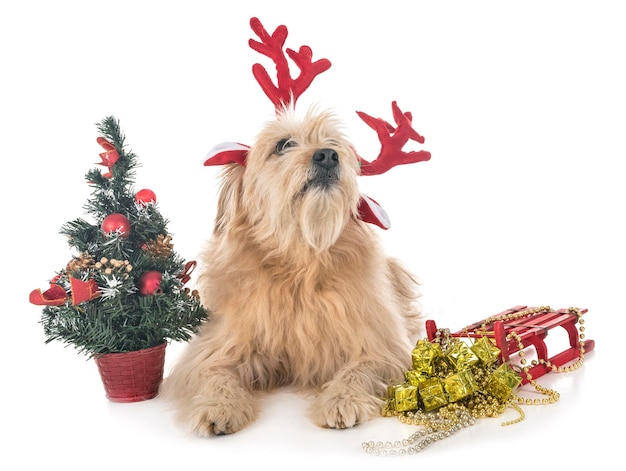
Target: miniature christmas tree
(123,290)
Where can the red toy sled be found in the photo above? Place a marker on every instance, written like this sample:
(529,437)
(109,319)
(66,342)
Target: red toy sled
(530,327)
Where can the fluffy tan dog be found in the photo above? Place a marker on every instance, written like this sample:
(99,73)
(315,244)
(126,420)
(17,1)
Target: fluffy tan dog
(299,290)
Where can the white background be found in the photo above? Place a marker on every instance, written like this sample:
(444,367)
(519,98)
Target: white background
(522,106)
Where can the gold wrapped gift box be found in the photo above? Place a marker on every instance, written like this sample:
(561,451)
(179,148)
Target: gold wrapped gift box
(441,376)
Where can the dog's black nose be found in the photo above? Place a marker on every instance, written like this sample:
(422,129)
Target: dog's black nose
(326,158)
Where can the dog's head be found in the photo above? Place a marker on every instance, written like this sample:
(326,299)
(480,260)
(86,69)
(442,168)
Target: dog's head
(296,186)
(299,184)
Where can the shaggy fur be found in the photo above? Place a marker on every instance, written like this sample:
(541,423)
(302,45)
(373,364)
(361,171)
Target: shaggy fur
(298,288)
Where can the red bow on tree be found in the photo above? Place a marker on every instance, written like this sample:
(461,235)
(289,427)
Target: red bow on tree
(81,291)
(109,157)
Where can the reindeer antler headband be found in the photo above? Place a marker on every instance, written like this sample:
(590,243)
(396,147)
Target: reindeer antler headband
(286,92)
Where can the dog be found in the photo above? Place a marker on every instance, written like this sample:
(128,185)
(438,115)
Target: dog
(299,289)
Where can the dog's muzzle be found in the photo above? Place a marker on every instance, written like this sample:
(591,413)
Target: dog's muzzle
(324,169)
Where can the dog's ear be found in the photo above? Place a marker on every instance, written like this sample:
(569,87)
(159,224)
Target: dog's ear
(229,202)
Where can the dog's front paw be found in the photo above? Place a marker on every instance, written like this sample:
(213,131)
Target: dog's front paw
(344,409)
(219,407)
(208,416)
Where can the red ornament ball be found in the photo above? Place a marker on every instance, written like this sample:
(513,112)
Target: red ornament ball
(145,196)
(150,283)
(116,222)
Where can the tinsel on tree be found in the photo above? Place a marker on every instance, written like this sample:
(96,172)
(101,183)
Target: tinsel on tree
(124,287)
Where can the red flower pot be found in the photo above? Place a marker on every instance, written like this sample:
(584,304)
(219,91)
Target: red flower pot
(133,376)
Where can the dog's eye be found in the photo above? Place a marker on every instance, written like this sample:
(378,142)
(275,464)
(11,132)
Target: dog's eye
(283,145)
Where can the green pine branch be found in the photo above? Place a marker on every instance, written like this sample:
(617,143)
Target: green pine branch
(121,319)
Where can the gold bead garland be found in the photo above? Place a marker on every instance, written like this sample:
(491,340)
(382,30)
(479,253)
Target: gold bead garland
(552,395)
(447,421)
(513,316)
(454,416)
(85,261)
(110,266)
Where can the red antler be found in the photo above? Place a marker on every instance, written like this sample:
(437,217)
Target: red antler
(287,90)
(392,141)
